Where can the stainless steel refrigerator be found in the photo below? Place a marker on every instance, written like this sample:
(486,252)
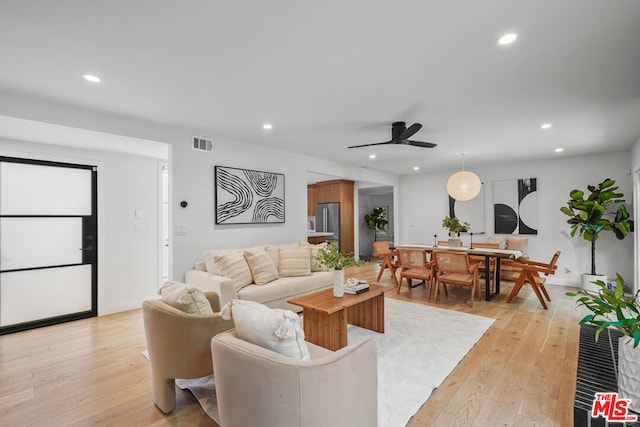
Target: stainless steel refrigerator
(328,220)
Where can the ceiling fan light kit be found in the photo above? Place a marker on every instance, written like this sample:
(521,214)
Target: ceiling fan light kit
(463,185)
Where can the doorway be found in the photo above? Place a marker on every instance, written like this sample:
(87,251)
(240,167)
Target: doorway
(48,243)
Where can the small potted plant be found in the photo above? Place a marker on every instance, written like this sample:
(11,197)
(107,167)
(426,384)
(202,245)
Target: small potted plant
(377,221)
(611,308)
(602,210)
(455,227)
(332,258)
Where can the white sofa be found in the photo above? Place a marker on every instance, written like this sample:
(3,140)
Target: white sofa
(207,276)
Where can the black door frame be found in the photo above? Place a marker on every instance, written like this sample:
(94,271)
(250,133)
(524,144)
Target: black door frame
(89,247)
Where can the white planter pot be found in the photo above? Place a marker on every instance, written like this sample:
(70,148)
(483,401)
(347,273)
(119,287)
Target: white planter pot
(629,372)
(338,283)
(588,279)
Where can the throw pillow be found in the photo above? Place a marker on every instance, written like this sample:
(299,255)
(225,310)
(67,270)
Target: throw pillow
(235,267)
(261,265)
(186,298)
(315,265)
(518,244)
(295,262)
(502,242)
(272,328)
(274,251)
(209,256)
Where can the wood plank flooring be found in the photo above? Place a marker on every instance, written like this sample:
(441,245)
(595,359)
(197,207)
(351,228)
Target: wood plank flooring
(91,372)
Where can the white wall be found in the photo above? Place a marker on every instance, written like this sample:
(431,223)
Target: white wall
(194,182)
(424,202)
(128,266)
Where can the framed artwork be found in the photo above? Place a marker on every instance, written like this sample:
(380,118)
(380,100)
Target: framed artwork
(471,211)
(245,196)
(515,206)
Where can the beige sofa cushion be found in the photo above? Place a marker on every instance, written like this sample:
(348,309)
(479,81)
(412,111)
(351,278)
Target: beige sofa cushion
(263,270)
(186,298)
(274,251)
(235,267)
(294,262)
(315,265)
(275,329)
(288,287)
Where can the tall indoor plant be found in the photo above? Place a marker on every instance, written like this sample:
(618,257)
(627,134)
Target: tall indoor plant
(377,221)
(602,210)
(611,308)
(331,257)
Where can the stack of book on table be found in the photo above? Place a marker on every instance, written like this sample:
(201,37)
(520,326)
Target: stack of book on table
(351,287)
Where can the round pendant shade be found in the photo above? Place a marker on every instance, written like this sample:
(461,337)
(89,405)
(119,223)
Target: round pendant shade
(463,185)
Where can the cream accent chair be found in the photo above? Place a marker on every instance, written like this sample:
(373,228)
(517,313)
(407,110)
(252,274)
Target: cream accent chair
(179,345)
(258,387)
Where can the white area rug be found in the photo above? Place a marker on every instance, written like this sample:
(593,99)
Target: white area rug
(419,349)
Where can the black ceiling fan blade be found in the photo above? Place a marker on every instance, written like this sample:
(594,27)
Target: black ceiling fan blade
(422,144)
(410,131)
(369,145)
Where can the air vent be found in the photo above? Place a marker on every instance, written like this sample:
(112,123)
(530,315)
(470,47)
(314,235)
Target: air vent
(202,144)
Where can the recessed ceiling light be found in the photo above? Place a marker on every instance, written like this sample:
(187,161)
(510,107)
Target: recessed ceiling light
(546,126)
(267,126)
(416,168)
(372,156)
(559,150)
(507,38)
(92,78)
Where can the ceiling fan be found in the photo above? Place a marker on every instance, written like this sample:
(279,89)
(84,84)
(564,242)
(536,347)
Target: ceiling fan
(400,134)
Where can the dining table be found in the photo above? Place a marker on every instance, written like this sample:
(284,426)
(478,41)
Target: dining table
(488,253)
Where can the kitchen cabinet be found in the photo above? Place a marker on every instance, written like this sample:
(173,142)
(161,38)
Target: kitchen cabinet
(311,199)
(340,191)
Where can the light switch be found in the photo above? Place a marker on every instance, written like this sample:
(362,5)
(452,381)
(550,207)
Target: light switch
(139,213)
(181,229)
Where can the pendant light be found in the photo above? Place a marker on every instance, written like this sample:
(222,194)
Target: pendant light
(463,185)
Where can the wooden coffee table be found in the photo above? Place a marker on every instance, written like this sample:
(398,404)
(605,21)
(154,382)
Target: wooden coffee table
(326,317)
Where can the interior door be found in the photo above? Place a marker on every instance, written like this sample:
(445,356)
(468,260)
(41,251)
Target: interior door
(48,243)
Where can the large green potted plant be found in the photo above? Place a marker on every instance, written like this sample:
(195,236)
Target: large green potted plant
(611,308)
(377,221)
(602,210)
(331,257)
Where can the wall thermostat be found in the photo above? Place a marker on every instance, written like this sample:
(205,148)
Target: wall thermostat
(184,204)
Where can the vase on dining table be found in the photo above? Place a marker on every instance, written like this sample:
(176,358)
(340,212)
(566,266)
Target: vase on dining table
(454,238)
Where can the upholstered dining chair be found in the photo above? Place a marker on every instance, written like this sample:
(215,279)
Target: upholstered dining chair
(456,269)
(534,273)
(481,260)
(413,264)
(382,250)
(179,345)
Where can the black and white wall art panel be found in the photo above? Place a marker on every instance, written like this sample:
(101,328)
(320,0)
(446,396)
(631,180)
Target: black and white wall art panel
(245,196)
(515,206)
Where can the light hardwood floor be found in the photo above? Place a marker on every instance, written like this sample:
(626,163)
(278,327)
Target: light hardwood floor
(91,372)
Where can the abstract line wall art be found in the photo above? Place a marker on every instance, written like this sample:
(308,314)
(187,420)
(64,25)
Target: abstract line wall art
(245,196)
(515,206)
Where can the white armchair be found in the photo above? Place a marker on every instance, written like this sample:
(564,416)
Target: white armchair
(256,386)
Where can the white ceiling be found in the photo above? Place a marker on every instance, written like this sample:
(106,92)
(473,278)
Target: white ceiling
(336,73)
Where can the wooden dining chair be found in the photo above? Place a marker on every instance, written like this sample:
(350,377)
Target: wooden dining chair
(455,268)
(413,264)
(382,250)
(535,274)
(481,260)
